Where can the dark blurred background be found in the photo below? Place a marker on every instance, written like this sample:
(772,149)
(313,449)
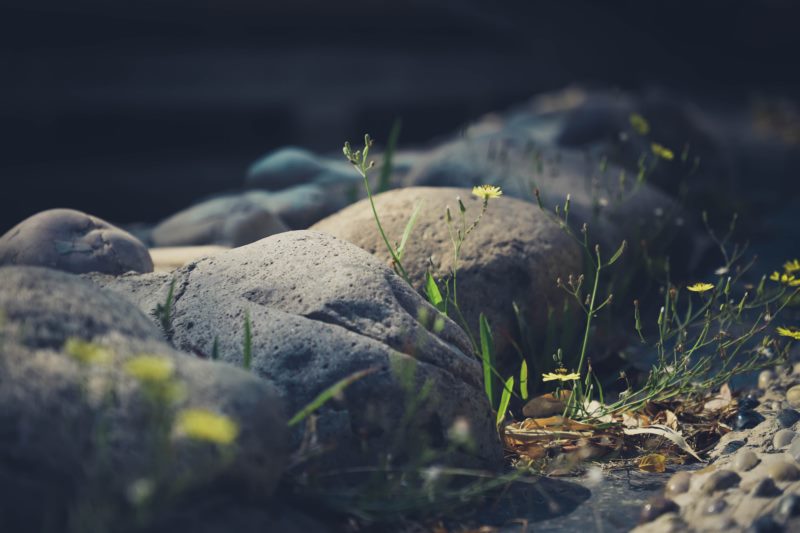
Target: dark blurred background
(132,110)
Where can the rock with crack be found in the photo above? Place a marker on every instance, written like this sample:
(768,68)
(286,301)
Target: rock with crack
(321,309)
(97,413)
(74,242)
(514,255)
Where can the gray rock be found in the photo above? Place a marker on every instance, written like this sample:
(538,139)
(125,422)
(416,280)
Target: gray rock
(678,484)
(794,450)
(745,460)
(515,254)
(656,507)
(787,417)
(720,480)
(793,396)
(68,240)
(290,166)
(84,434)
(715,506)
(765,378)
(783,438)
(783,471)
(321,309)
(233,220)
(765,488)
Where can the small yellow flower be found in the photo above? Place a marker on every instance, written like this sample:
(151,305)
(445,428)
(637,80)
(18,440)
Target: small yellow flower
(150,368)
(700,287)
(87,353)
(561,375)
(639,124)
(487,191)
(662,151)
(786,279)
(791,333)
(201,424)
(790,267)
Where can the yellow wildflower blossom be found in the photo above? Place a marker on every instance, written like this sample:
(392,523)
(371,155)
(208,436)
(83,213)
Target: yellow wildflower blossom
(786,279)
(700,287)
(487,191)
(791,333)
(201,424)
(662,151)
(639,124)
(790,267)
(150,368)
(87,353)
(560,375)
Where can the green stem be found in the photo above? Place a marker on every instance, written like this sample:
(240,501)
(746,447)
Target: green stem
(396,259)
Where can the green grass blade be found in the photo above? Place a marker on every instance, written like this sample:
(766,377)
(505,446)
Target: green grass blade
(523,380)
(248,341)
(504,399)
(409,228)
(386,167)
(433,293)
(486,356)
(326,395)
(215,349)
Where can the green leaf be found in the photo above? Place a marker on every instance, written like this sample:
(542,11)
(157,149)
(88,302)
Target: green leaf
(391,145)
(326,395)
(618,253)
(523,380)
(432,291)
(487,344)
(504,399)
(409,228)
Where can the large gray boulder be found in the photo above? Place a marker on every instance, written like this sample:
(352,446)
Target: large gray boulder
(75,242)
(87,442)
(320,310)
(233,220)
(515,254)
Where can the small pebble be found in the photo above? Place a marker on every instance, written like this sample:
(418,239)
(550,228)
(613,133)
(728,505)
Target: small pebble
(745,460)
(794,450)
(678,484)
(796,368)
(655,507)
(766,488)
(783,438)
(747,420)
(715,506)
(765,378)
(783,471)
(720,480)
(732,446)
(789,506)
(765,524)
(793,396)
(787,417)
(748,402)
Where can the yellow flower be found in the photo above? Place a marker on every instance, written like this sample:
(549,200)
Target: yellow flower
(790,267)
(639,124)
(201,424)
(786,279)
(87,353)
(150,368)
(791,333)
(561,375)
(662,151)
(700,287)
(487,191)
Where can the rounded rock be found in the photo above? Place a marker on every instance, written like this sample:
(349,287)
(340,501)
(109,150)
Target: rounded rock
(747,420)
(745,460)
(789,506)
(794,450)
(656,507)
(783,438)
(748,402)
(783,471)
(678,483)
(732,446)
(72,241)
(787,417)
(720,480)
(793,396)
(765,488)
(765,524)
(715,506)
(765,378)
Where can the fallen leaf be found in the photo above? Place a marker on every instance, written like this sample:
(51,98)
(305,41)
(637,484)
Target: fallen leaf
(664,431)
(655,463)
